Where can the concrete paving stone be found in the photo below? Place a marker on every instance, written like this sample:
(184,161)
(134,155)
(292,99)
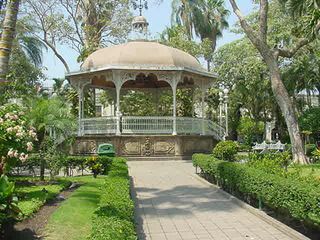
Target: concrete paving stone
(169,228)
(173,236)
(281,237)
(187,235)
(158,236)
(203,235)
(155,228)
(172,203)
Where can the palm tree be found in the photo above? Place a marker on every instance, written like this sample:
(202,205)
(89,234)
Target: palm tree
(182,15)
(7,36)
(48,115)
(210,20)
(206,18)
(299,7)
(30,45)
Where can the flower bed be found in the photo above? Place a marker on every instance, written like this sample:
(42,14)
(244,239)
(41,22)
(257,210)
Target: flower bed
(298,198)
(114,217)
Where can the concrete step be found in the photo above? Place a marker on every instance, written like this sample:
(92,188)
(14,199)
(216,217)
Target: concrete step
(157,158)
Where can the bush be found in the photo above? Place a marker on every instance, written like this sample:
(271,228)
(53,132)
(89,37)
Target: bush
(276,163)
(114,217)
(226,150)
(248,130)
(8,202)
(316,156)
(310,148)
(97,164)
(300,199)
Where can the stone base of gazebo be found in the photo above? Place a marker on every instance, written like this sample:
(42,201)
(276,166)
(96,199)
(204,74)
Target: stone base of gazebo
(152,147)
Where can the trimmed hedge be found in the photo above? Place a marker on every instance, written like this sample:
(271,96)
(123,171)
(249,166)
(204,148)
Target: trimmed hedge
(297,197)
(114,219)
(82,162)
(226,150)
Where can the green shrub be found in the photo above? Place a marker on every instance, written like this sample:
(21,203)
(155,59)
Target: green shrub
(226,150)
(310,148)
(97,164)
(296,197)
(9,209)
(249,129)
(316,156)
(244,148)
(114,217)
(276,163)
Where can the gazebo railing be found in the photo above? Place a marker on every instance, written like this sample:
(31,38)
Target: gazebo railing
(147,125)
(101,125)
(151,125)
(188,125)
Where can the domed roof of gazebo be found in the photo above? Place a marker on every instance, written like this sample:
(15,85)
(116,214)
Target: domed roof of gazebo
(141,54)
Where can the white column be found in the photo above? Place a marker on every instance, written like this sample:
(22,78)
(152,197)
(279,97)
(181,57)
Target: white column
(80,110)
(202,110)
(174,89)
(118,113)
(226,113)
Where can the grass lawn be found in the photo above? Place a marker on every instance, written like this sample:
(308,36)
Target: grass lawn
(32,197)
(72,220)
(309,170)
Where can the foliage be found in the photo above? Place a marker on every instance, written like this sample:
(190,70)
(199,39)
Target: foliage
(16,136)
(185,102)
(54,157)
(309,120)
(241,69)
(114,218)
(316,156)
(226,150)
(72,220)
(310,148)
(32,195)
(97,164)
(177,37)
(84,26)
(297,198)
(50,114)
(309,11)
(249,130)
(275,163)
(24,77)
(138,103)
(8,202)
(205,18)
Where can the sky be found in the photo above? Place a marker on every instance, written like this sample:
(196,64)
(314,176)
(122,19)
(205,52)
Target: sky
(158,16)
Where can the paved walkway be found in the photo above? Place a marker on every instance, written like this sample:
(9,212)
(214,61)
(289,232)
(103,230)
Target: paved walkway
(172,203)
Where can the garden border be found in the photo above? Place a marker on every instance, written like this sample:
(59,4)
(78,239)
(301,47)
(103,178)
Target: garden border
(259,213)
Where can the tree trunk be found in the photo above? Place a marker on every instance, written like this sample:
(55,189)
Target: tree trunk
(42,167)
(287,109)
(208,66)
(8,34)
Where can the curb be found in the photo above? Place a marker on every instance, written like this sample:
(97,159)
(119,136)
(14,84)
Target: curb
(293,234)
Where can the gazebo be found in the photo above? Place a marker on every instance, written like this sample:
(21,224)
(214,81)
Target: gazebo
(144,65)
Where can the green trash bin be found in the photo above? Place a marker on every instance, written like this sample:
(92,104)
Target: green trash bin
(106,149)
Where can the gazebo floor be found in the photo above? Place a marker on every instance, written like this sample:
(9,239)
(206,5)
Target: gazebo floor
(147,147)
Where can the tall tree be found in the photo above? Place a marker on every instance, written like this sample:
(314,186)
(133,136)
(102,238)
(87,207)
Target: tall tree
(271,55)
(7,36)
(84,25)
(207,18)
(47,115)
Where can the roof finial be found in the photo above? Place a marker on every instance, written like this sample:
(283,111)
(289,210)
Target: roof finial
(140,23)
(140,4)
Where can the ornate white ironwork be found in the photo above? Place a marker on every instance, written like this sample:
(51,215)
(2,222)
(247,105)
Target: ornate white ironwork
(151,125)
(102,125)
